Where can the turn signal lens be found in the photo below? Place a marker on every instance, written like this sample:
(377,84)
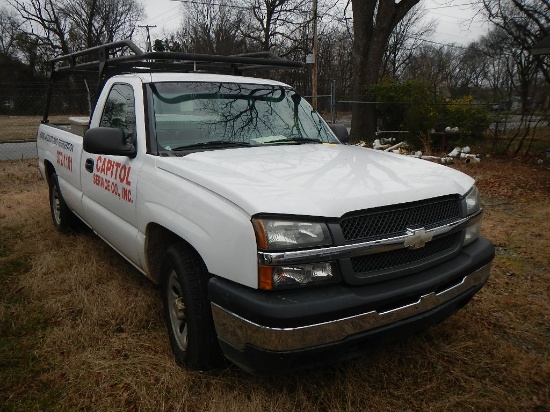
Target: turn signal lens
(279,277)
(472,232)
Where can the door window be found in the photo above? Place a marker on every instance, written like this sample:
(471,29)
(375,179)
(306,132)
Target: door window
(120,110)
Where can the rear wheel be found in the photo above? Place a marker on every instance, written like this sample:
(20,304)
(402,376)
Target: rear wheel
(62,217)
(187,309)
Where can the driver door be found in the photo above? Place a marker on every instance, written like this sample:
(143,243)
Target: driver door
(109,182)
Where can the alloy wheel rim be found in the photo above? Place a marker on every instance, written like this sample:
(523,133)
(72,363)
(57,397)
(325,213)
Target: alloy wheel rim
(176,308)
(56,206)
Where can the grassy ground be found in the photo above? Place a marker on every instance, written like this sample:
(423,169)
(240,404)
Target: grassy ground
(81,330)
(23,128)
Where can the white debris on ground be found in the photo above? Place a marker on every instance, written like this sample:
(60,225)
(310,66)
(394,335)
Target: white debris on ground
(464,154)
(389,145)
(450,129)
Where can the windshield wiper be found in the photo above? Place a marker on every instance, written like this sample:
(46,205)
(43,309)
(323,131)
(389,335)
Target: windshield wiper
(212,144)
(296,140)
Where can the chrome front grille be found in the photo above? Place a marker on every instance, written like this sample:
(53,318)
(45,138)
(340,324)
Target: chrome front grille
(381,223)
(384,223)
(399,259)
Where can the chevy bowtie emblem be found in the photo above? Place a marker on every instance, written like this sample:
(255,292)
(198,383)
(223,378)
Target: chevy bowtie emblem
(417,238)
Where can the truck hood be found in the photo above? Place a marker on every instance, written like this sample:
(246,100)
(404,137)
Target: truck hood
(314,179)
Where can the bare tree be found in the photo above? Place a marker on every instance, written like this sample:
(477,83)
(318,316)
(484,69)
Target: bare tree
(405,39)
(10,29)
(373,24)
(431,64)
(15,45)
(335,61)
(213,27)
(525,21)
(47,24)
(67,25)
(276,25)
(466,69)
(95,22)
(499,65)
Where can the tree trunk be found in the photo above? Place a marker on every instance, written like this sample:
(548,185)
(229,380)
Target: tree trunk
(362,114)
(373,23)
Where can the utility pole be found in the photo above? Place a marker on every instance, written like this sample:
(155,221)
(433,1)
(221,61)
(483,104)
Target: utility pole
(315,59)
(147,27)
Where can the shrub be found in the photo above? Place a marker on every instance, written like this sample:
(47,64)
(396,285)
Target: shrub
(472,120)
(414,106)
(405,106)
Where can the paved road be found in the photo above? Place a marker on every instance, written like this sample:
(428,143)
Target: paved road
(513,122)
(14,151)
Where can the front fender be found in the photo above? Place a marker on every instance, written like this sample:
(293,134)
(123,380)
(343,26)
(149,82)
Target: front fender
(217,229)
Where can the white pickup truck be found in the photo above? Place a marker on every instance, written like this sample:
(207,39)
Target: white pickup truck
(276,246)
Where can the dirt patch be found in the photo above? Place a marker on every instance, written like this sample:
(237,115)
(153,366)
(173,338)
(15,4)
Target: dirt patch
(513,181)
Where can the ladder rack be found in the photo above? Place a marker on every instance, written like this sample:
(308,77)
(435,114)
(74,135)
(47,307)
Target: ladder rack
(139,61)
(124,56)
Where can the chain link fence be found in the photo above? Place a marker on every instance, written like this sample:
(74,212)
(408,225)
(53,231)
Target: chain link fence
(22,109)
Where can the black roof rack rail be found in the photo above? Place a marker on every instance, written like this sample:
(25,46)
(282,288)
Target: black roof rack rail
(165,61)
(124,56)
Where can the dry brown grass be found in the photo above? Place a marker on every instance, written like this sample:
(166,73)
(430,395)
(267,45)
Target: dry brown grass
(24,128)
(82,330)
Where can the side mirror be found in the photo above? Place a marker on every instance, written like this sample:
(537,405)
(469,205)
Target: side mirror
(108,141)
(340,131)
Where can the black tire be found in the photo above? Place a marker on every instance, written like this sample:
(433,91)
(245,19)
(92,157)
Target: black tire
(187,311)
(63,218)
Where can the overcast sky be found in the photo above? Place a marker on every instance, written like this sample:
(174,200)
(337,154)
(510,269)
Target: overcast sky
(457,22)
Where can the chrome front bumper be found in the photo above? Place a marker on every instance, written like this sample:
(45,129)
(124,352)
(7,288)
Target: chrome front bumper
(240,332)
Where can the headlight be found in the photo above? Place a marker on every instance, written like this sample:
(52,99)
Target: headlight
(473,201)
(278,234)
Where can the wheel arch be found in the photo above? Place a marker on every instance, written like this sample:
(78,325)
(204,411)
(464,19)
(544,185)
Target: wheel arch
(157,240)
(48,169)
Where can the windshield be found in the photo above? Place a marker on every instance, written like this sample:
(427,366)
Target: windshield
(204,115)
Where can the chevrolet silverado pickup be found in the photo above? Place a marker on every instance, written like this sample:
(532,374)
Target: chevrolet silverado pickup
(275,245)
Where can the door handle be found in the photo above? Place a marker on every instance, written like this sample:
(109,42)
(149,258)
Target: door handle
(89,165)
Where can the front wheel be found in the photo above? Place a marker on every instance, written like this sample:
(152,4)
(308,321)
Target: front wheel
(187,309)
